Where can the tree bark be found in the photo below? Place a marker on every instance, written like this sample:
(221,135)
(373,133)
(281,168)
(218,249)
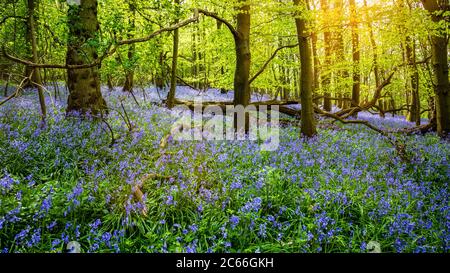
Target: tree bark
(343,74)
(414,105)
(30,35)
(243,56)
(316,85)
(129,71)
(84,84)
(326,77)
(439,61)
(355,56)
(308,126)
(374,47)
(243,59)
(37,76)
(173,79)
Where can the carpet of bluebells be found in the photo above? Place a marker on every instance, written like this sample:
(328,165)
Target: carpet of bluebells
(335,192)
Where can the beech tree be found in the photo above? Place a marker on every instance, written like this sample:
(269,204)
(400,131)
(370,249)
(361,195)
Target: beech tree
(308,127)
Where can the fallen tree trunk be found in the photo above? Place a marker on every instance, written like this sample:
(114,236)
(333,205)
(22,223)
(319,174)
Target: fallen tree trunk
(282,108)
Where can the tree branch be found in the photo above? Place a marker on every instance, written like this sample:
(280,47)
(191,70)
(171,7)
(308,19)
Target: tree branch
(110,51)
(261,70)
(17,89)
(220,19)
(159,31)
(12,16)
(350,111)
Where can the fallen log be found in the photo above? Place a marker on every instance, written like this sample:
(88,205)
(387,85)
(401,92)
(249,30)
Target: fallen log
(282,108)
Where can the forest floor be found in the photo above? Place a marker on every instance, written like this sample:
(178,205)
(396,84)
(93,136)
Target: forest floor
(344,190)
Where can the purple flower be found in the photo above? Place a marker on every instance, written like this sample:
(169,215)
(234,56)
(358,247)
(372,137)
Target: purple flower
(106,238)
(170,201)
(46,204)
(22,234)
(55,243)
(51,225)
(193,228)
(234,220)
(262,230)
(236,185)
(253,205)
(95,225)
(7,182)
(35,238)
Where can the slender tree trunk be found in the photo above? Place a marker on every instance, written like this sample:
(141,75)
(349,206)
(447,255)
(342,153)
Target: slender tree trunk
(242,43)
(30,35)
(129,71)
(316,85)
(37,75)
(355,56)
(243,59)
(439,44)
(84,84)
(414,104)
(374,48)
(342,87)
(326,77)
(308,127)
(173,79)
(194,58)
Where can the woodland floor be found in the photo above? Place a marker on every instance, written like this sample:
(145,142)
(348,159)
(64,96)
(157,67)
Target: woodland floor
(336,192)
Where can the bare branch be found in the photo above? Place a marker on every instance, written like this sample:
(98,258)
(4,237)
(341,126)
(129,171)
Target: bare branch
(17,89)
(261,70)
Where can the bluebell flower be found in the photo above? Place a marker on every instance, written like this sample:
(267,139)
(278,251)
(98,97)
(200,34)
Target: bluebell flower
(193,228)
(234,220)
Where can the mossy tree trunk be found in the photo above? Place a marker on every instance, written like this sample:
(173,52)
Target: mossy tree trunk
(439,45)
(84,84)
(36,74)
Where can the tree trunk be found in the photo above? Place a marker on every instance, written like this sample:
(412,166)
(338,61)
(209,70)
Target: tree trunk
(414,105)
(194,59)
(440,68)
(84,84)
(316,85)
(242,43)
(326,77)
(374,48)
(173,79)
(243,59)
(355,56)
(342,86)
(129,70)
(36,73)
(308,127)
(30,35)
